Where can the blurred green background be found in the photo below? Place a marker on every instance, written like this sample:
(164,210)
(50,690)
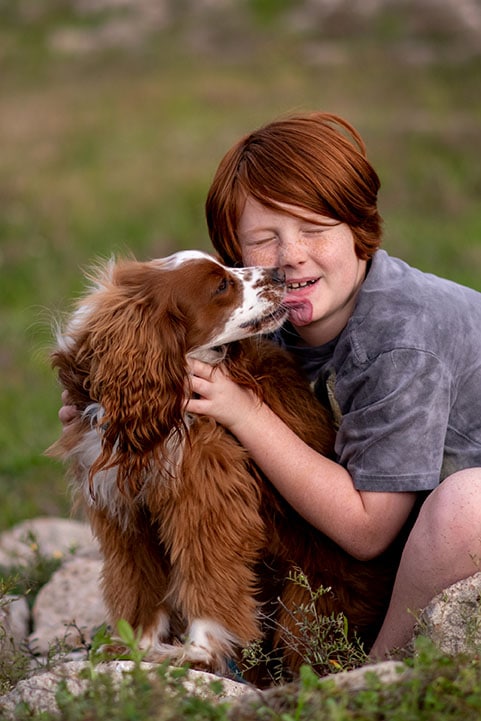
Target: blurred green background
(115,113)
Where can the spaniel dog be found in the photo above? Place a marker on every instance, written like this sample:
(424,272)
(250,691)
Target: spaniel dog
(197,544)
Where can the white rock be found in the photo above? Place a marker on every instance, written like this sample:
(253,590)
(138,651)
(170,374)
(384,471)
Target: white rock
(69,602)
(52,537)
(39,691)
(453,618)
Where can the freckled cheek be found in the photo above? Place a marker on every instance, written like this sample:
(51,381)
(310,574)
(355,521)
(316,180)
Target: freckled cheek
(260,256)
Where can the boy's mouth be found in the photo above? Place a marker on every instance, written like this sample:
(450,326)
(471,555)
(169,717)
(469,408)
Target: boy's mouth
(299,284)
(297,300)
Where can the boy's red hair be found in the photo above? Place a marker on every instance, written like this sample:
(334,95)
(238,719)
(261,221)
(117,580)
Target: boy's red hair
(316,161)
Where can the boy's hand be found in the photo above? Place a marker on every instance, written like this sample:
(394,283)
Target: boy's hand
(67,412)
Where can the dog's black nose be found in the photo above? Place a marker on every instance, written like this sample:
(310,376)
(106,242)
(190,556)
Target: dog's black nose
(277,276)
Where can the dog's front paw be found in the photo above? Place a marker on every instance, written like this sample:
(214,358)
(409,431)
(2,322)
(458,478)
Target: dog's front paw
(209,646)
(201,658)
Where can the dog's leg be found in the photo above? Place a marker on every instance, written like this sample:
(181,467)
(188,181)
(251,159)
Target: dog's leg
(134,575)
(214,533)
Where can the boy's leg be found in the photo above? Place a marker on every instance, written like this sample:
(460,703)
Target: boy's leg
(443,547)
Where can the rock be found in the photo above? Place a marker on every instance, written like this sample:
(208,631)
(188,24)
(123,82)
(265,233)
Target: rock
(52,537)
(356,680)
(453,618)
(278,698)
(69,607)
(39,690)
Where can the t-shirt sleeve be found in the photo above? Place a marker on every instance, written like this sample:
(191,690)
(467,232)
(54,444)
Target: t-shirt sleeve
(394,419)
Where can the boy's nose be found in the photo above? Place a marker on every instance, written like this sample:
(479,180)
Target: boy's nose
(291,252)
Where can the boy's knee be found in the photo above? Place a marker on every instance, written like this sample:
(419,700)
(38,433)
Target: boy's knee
(449,522)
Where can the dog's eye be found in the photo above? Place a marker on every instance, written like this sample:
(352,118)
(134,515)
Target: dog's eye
(223,285)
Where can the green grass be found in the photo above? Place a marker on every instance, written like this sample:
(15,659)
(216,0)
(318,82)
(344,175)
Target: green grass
(114,151)
(430,687)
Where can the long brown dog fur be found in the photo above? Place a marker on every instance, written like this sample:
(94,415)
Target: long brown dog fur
(211,538)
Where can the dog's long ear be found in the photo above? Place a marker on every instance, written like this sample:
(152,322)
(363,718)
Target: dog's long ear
(137,372)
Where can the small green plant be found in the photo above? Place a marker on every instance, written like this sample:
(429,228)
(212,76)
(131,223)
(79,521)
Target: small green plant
(27,578)
(138,693)
(308,683)
(428,687)
(14,663)
(24,579)
(322,642)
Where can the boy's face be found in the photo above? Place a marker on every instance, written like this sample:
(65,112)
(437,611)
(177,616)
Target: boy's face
(318,257)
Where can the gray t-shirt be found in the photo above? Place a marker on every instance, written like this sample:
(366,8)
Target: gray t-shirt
(404,379)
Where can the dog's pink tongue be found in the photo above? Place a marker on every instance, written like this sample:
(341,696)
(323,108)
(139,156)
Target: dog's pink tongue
(300,312)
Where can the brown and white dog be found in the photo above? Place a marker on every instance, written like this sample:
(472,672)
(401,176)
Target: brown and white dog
(197,544)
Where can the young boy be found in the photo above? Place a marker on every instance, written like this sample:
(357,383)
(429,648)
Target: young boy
(397,351)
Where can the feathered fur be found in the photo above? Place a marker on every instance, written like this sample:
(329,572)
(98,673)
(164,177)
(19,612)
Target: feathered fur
(195,540)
